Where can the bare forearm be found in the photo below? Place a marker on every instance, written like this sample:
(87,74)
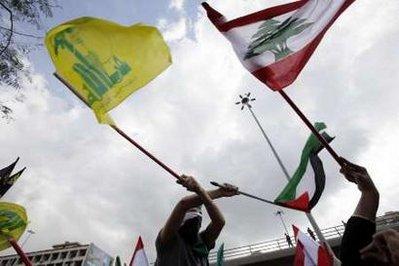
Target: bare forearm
(214,213)
(195,200)
(368,205)
(176,217)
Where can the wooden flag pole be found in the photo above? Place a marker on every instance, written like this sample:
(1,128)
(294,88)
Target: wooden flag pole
(20,252)
(311,127)
(120,132)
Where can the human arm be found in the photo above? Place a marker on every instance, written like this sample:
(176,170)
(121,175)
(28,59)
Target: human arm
(368,204)
(361,226)
(175,219)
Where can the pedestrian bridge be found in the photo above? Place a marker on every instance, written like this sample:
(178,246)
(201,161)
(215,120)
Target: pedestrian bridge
(277,251)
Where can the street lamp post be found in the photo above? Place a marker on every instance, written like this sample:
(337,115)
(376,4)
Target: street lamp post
(245,101)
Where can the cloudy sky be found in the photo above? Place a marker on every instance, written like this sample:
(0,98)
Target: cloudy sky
(85,183)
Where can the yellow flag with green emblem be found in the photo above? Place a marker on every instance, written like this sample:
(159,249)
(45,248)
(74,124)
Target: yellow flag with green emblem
(105,62)
(13,222)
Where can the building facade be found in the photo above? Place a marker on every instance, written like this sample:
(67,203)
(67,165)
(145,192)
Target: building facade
(67,254)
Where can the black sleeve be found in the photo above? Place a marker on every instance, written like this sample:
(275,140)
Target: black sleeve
(358,234)
(163,247)
(209,246)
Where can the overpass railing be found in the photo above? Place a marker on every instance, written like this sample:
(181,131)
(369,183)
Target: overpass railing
(281,243)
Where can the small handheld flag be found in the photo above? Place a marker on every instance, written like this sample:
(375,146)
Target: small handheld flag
(139,257)
(309,153)
(13,222)
(220,255)
(310,253)
(7,180)
(106,62)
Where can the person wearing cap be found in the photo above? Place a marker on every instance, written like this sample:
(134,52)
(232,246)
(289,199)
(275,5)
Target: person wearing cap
(180,242)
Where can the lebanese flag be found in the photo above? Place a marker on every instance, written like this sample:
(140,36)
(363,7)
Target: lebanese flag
(310,253)
(288,196)
(139,257)
(276,43)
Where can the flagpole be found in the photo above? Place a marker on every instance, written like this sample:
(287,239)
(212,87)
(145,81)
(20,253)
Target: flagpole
(246,102)
(311,127)
(246,194)
(120,132)
(20,252)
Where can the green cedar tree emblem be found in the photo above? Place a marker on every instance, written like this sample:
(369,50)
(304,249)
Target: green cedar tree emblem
(272,36)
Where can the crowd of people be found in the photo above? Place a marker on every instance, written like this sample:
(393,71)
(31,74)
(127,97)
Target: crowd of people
(182,243)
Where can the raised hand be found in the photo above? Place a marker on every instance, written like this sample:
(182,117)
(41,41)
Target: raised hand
(228,190)
(358,175)
(189,183)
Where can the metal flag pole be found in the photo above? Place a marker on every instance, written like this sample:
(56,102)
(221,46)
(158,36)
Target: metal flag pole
(120,132)
(255,197)
(245,102)
(30,233)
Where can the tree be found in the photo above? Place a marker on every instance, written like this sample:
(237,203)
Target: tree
(14,45)
(272,36)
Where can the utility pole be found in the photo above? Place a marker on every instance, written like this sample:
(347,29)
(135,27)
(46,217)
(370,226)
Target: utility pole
(29,232)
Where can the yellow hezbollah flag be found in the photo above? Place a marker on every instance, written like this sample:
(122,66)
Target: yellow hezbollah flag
(13,222)
(105,62)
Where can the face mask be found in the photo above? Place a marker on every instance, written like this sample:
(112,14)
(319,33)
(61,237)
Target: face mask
(190,229)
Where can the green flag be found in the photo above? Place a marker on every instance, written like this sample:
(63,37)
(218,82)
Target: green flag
(118,261)
(220,255)
(288,197)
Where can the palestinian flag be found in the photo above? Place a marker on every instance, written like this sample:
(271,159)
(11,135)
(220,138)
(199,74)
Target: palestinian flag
(288,197)
(276,43)
(6,179)
(139,257)
(310,253)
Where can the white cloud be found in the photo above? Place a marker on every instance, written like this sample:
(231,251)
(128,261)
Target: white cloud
(86,183)
(177,4)
(173,31)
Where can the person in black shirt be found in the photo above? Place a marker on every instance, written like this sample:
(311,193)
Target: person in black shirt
(180,242)
(360,228)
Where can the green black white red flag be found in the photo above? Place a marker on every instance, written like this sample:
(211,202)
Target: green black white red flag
(276,43)
(288,197)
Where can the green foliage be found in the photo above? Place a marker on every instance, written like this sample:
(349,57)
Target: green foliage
(14,45)
(272,36)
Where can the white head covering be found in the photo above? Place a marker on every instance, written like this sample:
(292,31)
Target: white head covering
(192,213)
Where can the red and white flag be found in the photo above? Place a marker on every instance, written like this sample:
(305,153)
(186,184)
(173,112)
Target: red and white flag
(139,257)
(310,253)
(276,43)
